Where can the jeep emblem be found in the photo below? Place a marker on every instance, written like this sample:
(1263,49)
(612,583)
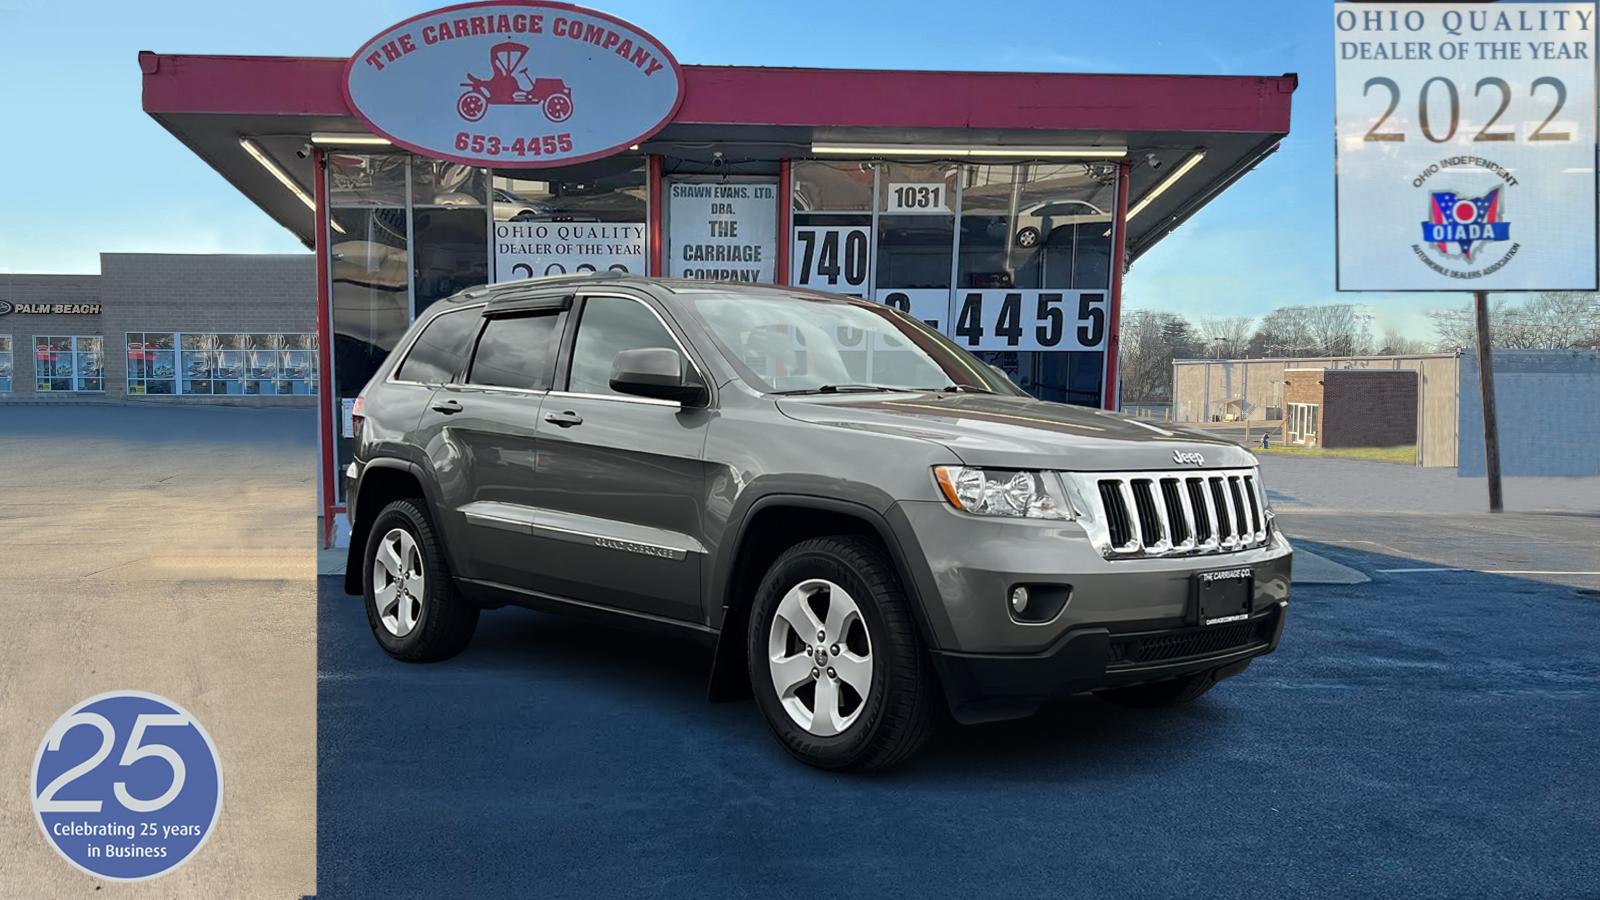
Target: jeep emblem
(1183,458)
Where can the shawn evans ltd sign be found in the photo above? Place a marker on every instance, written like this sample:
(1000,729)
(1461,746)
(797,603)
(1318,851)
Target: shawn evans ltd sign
(514,84)
(49,309)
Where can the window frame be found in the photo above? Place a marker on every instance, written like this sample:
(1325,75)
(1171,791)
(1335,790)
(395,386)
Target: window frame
(73,355)
(9,383)
(569,346)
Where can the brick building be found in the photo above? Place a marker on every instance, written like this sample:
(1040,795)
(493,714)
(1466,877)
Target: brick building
(179,328)
(1350,407)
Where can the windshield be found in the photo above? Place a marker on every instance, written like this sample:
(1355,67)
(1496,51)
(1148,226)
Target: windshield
(803,345)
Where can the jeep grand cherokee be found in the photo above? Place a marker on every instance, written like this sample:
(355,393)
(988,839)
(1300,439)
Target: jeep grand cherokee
(864,520)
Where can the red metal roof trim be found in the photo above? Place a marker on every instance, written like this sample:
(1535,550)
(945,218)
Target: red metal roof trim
(838,98)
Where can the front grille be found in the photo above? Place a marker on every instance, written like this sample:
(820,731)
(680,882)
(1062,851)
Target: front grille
(1167,646)
(1173,514)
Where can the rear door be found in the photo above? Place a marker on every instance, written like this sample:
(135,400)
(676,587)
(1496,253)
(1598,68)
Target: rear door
(480,433)
(621,484)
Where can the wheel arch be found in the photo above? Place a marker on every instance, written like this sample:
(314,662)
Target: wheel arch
(770,525)
(383,481)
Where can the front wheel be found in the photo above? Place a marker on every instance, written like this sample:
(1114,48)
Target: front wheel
(834,657)
(412,606)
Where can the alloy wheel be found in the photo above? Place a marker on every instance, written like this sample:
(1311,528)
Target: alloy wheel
(397,582)
(820,657)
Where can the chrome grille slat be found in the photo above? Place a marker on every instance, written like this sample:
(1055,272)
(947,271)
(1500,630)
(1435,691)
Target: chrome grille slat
(1158,513)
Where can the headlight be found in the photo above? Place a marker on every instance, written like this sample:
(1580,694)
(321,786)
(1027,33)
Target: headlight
(1003,492)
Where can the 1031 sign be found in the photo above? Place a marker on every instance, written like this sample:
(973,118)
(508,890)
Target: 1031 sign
(1005,319)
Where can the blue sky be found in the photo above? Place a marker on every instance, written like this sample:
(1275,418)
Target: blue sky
(87,170)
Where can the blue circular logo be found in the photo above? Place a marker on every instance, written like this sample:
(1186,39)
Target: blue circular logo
(127,785)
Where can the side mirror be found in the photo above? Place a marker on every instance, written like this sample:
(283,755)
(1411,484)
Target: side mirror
(658,373)
(1002,373)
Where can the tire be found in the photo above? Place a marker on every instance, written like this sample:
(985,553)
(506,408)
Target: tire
(1028,237)
(434,623)
(1156,694)
(864,733)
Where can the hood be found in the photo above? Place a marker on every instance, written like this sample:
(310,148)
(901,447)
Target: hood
(1020,432)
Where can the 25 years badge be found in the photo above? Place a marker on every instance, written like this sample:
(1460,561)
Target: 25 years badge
(127,785)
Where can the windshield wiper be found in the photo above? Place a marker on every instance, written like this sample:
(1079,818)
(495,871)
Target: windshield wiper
(842,389)
(962,389)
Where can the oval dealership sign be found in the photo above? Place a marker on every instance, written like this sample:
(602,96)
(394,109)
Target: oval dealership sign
(514,84)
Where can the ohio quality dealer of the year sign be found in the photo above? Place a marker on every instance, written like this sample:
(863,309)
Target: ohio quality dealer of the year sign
(1465,155)
(514,84)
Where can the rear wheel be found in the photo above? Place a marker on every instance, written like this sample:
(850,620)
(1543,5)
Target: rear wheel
(1172,692)
(412,605)
(834,658)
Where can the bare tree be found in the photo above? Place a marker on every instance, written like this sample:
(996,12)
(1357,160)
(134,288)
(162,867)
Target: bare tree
(1227,335)
(1335,329)
(1150,341)
(1552,320)
(1396,344)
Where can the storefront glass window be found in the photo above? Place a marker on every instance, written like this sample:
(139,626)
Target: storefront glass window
(369,268)
(916,238)
(832,241)
(449,230)
(152,363)
(586,218)
(5,364)
(68,364)
(1035,227)
(359,179)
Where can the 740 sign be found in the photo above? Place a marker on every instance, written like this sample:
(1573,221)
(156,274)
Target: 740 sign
(1029,320)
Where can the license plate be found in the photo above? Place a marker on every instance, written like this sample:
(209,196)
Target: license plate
(1223,595)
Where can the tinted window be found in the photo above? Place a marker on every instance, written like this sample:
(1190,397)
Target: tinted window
(441,349)
(609,326)
(517,352)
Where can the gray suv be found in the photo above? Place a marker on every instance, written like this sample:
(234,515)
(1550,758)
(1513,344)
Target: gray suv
(865,521)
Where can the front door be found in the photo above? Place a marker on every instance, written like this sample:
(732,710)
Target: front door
(621,483)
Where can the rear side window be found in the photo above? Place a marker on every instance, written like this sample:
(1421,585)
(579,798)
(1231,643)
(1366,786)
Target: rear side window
(517,352)
(441,350)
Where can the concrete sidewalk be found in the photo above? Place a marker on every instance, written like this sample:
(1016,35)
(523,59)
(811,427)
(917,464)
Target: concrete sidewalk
(167,550)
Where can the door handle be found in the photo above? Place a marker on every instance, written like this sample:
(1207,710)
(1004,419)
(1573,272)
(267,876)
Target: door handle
(564,419)
(448,407)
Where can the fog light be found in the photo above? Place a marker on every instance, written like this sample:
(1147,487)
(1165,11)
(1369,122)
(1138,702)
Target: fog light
(1019,600)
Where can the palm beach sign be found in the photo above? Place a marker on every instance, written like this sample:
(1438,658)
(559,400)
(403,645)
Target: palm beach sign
(514,84)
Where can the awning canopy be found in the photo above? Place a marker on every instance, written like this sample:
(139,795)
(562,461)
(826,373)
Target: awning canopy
(1164,121)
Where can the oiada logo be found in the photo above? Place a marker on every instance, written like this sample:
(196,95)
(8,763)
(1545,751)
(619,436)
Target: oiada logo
(1461,232)
(514,83)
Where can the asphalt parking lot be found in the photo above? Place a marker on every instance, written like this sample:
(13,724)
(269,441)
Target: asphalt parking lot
(1429,732)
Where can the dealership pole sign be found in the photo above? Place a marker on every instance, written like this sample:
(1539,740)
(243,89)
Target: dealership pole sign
(514,84)
(1465,146)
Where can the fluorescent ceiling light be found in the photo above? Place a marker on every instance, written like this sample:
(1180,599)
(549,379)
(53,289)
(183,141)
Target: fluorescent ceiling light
(272,167)
(968,152)
(342,139)
(1164,184)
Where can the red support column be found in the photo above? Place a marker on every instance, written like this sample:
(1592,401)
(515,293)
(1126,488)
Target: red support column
(1119,256)
(653,186)
(326,398)
(780,274)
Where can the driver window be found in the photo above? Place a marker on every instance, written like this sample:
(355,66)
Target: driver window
(610,325)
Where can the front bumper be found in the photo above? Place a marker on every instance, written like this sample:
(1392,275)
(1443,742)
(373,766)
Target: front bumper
(984,687)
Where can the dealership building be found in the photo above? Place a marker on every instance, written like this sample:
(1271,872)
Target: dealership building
(499,141)
(164,328)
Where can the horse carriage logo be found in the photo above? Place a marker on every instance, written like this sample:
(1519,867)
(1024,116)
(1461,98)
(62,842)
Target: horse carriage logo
(510,84)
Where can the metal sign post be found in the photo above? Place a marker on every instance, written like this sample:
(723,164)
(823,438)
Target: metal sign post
(1491,428)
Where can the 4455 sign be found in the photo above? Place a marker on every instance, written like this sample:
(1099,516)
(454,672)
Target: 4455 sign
(1005,319)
